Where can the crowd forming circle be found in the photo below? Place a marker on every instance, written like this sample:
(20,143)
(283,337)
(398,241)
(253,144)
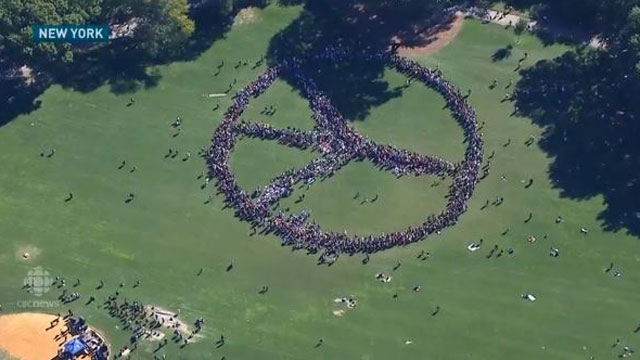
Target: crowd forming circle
(338,144)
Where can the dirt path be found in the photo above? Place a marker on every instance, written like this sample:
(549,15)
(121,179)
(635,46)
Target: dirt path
(436,40)
(169,322)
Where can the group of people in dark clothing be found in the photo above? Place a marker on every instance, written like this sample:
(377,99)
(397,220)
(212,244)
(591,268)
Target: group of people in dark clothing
(339,144)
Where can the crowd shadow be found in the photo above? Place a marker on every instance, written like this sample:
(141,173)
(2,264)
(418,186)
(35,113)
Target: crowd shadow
(355,87)
(589,110)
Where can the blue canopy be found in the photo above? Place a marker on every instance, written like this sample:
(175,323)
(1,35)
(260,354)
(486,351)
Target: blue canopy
(74,347)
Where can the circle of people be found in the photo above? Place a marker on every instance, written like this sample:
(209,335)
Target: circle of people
(339,144)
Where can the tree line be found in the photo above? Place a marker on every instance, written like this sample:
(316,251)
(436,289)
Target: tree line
(159,29)
(587,102)
(162,29)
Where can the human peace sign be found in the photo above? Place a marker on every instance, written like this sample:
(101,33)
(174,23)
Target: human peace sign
(339,144)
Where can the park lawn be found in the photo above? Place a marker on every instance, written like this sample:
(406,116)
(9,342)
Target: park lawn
(166,234)
(291,110)
(417,121)
(256,162)
(400,203)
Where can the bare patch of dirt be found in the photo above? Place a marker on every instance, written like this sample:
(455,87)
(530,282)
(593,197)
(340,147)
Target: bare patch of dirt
(169,321)
(30,336)
(433,39)
(27,253)
(245,16)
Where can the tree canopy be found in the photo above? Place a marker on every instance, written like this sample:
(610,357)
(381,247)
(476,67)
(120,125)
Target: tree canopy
(160,26)
(163,26)
(597,15)
(18,16)
(587,101)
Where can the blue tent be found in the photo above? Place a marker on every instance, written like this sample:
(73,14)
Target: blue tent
(75,347)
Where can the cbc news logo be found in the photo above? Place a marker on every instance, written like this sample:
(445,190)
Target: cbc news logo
(38,280)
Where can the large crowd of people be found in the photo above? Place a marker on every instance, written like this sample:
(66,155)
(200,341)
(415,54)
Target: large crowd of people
(339,144)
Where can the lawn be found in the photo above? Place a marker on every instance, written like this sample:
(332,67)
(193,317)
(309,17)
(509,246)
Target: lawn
(168,233)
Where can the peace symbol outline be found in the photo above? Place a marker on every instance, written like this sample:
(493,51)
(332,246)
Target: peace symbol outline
(340,144)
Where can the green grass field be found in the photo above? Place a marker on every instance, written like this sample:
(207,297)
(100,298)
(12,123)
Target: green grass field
(5,356)
(167,233)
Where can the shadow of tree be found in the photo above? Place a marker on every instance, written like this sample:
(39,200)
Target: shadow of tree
(553,32)
(502,53)
(573,22)
(290,2)
(354,87)
(16,98)
(125,69)
(588,106)
(117,64)
(574,14)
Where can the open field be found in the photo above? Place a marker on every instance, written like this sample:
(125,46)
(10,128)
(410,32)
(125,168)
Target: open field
(167,234)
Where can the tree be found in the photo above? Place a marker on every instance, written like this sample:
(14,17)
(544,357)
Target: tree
(218,7)
(16,35)
(587,101)
(520,27)
(373,24)
(482,4)
(163,26)
(630,38)
(596,15)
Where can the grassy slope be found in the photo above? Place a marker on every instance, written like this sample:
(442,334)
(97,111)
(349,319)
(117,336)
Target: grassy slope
(167,234)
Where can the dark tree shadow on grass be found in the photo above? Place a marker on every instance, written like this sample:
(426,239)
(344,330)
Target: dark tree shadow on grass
(126,69)
(16,98)
(355,88)
(502,53)
(290,2)
(588,105)
(569,22)
(118,64)
(554,31)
